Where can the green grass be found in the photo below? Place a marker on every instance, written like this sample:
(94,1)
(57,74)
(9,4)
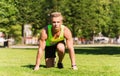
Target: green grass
(102,61)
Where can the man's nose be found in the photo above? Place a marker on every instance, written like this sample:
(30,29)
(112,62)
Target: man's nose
(56,23)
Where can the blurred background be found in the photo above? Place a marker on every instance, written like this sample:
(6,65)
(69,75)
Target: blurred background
(91,21)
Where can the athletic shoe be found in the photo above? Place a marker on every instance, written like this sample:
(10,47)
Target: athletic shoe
(60,65)
(74,67)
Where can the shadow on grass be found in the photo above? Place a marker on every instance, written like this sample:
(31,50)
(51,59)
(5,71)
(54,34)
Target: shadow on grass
(98,50)
(90,50)
(32,66)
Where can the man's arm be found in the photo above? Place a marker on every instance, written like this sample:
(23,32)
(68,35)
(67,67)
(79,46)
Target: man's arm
(41,48)
(69,43)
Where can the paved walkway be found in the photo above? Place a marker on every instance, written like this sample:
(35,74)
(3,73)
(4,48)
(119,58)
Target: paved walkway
(76,46)
(22,46)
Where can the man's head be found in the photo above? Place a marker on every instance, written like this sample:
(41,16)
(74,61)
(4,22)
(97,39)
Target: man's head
(56,14)
(57,20)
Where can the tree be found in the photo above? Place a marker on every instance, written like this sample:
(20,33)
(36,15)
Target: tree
(8,15)
(114,24)
(85,18)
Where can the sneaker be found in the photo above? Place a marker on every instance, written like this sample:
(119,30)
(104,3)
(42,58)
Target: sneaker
(74,67)
(60,65)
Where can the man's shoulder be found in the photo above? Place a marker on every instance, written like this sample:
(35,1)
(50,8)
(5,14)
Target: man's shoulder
(66,28)
(45,30)
(67,32)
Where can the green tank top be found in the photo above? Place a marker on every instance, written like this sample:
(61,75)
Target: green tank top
(51,40)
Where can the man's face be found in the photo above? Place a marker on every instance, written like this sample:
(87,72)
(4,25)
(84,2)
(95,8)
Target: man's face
(56,22)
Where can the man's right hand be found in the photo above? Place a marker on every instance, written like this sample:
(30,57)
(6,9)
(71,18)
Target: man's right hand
(36,68)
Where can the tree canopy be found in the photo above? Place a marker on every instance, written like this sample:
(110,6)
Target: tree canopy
(85,18)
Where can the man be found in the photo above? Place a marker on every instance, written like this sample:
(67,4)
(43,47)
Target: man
(53,37)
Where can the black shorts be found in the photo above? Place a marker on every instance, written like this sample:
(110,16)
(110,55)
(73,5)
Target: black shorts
(50,51)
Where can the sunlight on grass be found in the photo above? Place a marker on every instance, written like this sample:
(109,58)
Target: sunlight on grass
(90,61)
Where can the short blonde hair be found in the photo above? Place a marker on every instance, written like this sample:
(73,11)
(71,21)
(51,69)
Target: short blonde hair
(56,14)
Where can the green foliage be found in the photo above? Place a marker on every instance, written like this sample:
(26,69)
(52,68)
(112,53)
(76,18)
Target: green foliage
(15,32)
(85,18)
(115,17)
(8,15)
(88,18)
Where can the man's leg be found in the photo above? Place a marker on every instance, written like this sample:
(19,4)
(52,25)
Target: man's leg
(50,56)
(50,62)
(61,53)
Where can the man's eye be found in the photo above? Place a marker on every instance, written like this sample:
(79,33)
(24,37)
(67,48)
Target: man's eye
(56,22)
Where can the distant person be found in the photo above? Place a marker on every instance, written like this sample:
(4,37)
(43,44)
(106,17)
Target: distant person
(55,37)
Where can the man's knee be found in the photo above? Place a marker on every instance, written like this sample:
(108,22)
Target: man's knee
(60,47)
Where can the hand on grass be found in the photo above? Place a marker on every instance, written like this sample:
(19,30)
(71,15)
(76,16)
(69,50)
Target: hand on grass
(36,68)
(74,67)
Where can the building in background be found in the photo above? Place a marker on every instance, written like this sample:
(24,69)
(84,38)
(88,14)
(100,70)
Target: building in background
(28,36)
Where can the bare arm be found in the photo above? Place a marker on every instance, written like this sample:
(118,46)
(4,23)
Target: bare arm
(69,43)
(41,48)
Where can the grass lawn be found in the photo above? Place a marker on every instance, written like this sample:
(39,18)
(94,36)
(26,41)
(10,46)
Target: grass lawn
(102,61)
